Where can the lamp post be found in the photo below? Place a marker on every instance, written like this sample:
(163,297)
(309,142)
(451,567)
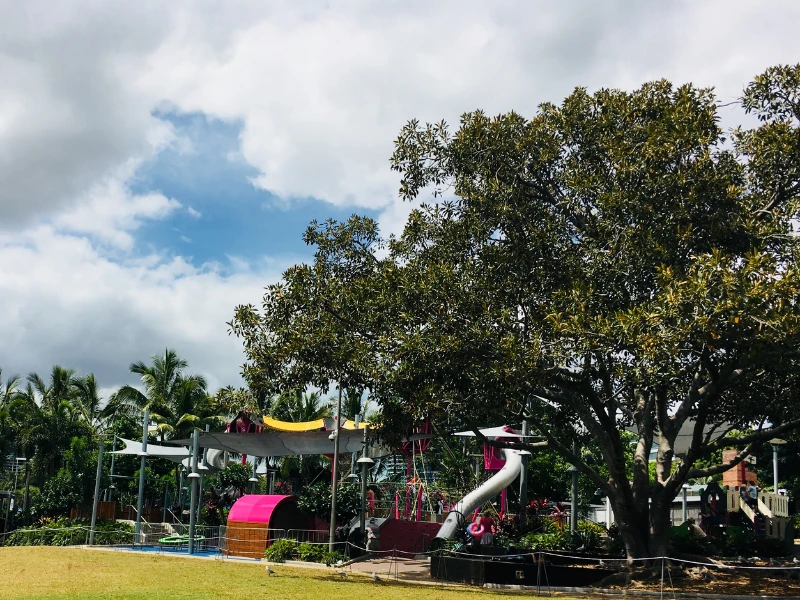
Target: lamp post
(113,456)
(203,468)
(13,495)
(523,479)
(253,479)
(684,509)
(137,530)
(96,491)
(193,477)
(365,462)
(573,509)
(776,442)
(335,435)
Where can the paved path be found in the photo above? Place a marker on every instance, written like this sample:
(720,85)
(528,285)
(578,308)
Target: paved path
(403,569)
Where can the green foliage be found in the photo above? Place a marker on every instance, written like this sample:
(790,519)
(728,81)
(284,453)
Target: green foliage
(737,541)
(310,552)
(588,538)
(281,550)
(67,532)
(682,539)
(315,501)
(234,474)
(544,541)
(58,495)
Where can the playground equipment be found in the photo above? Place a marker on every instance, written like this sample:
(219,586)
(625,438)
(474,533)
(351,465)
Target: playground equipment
(487,490)
(255,520)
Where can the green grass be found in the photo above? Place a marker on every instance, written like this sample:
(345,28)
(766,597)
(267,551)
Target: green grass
(63,573)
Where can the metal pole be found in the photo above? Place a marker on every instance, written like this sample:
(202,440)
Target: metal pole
(12,497)
(194,477)
(180,495)
(335,470)
(523,479)
(684,510)
(113,456)
(96,490)
(26,497)
(164,507)
(137,530)
(272,482)
(573,525)
(202,479)
(609,515)
(775,468)
(364,465)
(363,521)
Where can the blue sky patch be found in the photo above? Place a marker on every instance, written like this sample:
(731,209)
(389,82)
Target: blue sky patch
(224,214)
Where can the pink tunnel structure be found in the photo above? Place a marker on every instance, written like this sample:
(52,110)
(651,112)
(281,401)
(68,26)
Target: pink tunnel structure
(254,520)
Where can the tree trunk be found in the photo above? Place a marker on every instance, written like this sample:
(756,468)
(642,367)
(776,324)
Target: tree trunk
(659,526)
(645,533)
(634,529)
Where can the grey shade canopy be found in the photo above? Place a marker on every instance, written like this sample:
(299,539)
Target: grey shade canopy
(280,443)
(169,452)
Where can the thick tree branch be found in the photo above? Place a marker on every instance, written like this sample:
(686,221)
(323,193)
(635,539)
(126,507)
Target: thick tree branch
(716,470)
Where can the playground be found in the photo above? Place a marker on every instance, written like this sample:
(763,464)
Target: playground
(409,532)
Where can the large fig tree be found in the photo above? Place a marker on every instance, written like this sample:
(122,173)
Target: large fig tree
(615,263)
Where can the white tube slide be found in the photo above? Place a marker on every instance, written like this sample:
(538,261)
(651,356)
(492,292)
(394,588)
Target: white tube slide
(488,489)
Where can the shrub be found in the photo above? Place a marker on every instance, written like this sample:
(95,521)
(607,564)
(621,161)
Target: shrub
(281,550)
(683,540)
(67,532)
(331,558)
(310,552)
(543,541)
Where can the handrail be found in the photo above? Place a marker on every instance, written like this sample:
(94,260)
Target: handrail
(143,520)
(174,517)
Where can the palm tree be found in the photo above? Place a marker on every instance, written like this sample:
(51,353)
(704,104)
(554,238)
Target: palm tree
(88,400)
(178,402)
(11,389)
(160,381)
(46,418)
(8,433)
(297,407)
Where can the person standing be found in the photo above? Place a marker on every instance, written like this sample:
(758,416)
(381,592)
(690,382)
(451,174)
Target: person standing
(487,523)
(373,536)
(752,495)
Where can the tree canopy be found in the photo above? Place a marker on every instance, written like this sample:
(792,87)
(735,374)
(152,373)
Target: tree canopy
(616,262)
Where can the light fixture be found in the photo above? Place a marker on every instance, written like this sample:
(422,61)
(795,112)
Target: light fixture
(194,475)
(365,460)
(572,469)
(777,441)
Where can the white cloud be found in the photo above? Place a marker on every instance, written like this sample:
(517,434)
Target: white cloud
(65,303)
(321,92)
(109,212)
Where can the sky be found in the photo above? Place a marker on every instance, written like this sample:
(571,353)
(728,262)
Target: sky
(159,161)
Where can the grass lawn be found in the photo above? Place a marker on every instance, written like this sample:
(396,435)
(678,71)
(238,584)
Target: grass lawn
(44,572)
